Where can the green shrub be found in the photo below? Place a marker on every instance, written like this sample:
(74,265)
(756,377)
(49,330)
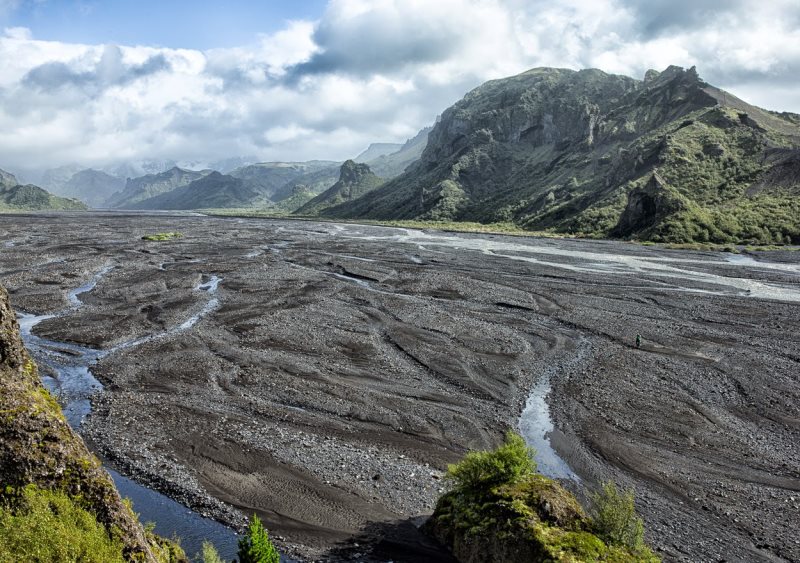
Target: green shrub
(255,546)
(210,554)
(41,526)
(615,519)
(480,471)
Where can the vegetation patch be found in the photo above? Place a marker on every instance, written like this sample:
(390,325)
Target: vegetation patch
(501,509)
(162,236)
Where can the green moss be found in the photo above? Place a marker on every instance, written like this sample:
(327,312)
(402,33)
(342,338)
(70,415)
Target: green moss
(45,526)
(162,236)
(501,509)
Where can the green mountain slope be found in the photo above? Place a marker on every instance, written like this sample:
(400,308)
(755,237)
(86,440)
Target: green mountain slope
(214,190)
(15,197)
(354,181)
(562,150)
(145,187)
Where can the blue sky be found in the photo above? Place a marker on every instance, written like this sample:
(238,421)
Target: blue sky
(200,24)
(101,83)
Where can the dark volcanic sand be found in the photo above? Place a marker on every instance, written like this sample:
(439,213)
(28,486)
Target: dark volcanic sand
(343,367)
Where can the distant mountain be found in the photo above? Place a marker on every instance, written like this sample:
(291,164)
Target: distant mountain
(138,190)
(54,179)
(393,164)
(213,190)
(376,150)
(16,197)
(355,180)
(7,179)
(227,165)
(668,158)
(271,178)
(90,186)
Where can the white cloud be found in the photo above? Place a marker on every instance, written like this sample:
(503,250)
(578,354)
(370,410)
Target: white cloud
(366,71)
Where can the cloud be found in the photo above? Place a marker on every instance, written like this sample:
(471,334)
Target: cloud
(108,70)
(367,70)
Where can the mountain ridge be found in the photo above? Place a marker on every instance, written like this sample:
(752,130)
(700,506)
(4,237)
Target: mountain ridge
(560,150)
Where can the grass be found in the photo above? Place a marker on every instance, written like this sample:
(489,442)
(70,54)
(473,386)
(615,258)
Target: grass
(44,526)
(162,236)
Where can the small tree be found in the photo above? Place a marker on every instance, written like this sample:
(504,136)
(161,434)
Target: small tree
(255,546)
(615,518)
(210,554)
(478,472)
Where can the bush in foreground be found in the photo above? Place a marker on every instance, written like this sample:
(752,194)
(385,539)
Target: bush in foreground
(255,546)
(501,510)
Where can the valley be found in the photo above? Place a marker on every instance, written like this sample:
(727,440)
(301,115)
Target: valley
(323,375)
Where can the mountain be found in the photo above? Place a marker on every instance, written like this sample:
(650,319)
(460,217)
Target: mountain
(377,150)
(140,189)
(49,476)
(668,158)
(393,164)
(54,179)
(271,178)
(90,186)
(7,179)
(354,181)
(16,197)
(213,190)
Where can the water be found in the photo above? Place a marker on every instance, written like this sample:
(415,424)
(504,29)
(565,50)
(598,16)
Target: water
(535,423)
(677,270)
(67,373)
(172,519)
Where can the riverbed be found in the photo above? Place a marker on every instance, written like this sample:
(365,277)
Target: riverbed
(324,375)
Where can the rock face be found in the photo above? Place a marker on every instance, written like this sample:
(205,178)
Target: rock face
(647,206)
(560,149)
(37,446)
(355,180)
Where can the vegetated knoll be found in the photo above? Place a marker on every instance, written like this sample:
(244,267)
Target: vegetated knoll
(502,510)
(562,150)
(15,197)
(355,180)
(46,472)
(151,185)
(214,190)
(91,186)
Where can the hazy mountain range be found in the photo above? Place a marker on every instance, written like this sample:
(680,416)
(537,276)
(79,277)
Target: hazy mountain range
(666,158)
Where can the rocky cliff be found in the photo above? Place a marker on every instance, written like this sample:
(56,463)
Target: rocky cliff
(561,150)
(355,180)
(38,448)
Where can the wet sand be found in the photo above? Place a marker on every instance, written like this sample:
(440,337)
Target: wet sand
(342,368)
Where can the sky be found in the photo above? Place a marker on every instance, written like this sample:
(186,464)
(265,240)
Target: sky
(99,83)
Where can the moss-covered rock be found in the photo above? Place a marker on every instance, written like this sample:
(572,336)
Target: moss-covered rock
(527,518)
(38,447)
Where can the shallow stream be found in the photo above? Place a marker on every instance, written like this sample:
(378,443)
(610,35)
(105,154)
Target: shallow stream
(66,371)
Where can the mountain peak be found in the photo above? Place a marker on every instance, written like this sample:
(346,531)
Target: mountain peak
(352,172)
